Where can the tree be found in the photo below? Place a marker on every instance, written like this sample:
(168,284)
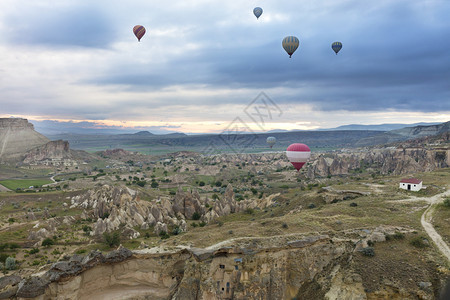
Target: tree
(196,216)
(141,183)
(47,242)
(112,239)
(154,184)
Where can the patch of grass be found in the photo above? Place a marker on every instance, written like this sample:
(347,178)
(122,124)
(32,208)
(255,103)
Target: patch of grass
(14,184)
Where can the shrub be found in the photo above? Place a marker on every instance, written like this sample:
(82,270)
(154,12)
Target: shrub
(418,242)
(398,235)
(81,251)
(13,246)
(34,251)
(368,251)
(112,239)
(87,229)
(353,204)
(56,252)
(154,184)
(10,263)
(284,225)
(194,224)
(202,224)
(196,216)
(447,202)
(201,183)
(311,205)
(176,231)
(249,211)
(47,242)
(163,235)
(3,257)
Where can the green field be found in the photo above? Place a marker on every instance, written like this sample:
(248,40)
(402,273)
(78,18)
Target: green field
(13,184)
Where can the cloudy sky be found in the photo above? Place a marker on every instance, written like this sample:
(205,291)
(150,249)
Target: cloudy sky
(203,64)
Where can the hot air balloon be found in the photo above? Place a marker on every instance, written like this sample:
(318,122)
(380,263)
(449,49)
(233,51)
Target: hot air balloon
(271,141)
(290,44)
(257,11)
(298,154)
(139,31)
(336,46)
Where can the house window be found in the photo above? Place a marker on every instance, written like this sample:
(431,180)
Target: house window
(222,266)
(236,267)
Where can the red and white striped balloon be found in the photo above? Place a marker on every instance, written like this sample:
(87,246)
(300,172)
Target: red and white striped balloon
(298,154)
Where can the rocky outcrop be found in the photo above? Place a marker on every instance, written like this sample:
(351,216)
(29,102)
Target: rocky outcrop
(385,161)
(113,206)
(54,150)
(17,136)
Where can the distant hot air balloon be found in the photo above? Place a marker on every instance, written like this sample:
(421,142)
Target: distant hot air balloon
(271,141)
(290,44)
(139,31)
(298,154)
(336,46)
(257,11)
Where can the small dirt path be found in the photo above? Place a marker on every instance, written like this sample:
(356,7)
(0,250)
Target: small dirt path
(53,179)
(426,219)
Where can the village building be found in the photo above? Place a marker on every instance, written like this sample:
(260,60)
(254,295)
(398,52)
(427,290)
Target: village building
(411,184)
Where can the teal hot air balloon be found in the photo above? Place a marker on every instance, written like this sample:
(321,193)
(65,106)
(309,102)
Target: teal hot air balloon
(271,140)
(290,44)
(257,11)
(336,46)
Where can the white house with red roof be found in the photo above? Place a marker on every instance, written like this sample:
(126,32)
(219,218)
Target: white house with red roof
(411,184)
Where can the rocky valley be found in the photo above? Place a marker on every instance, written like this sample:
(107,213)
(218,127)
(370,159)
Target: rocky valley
(118,224)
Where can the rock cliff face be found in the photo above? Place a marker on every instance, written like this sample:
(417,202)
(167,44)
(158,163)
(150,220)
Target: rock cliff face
(394,161)
(54,150)
(313,267)
(17,136)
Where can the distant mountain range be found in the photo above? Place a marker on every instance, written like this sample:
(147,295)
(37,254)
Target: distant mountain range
(52,128)
(379,127)
(17,136)
(231,141)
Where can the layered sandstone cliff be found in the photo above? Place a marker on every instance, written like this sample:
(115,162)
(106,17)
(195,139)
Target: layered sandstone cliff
(17,136)
(311,267)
